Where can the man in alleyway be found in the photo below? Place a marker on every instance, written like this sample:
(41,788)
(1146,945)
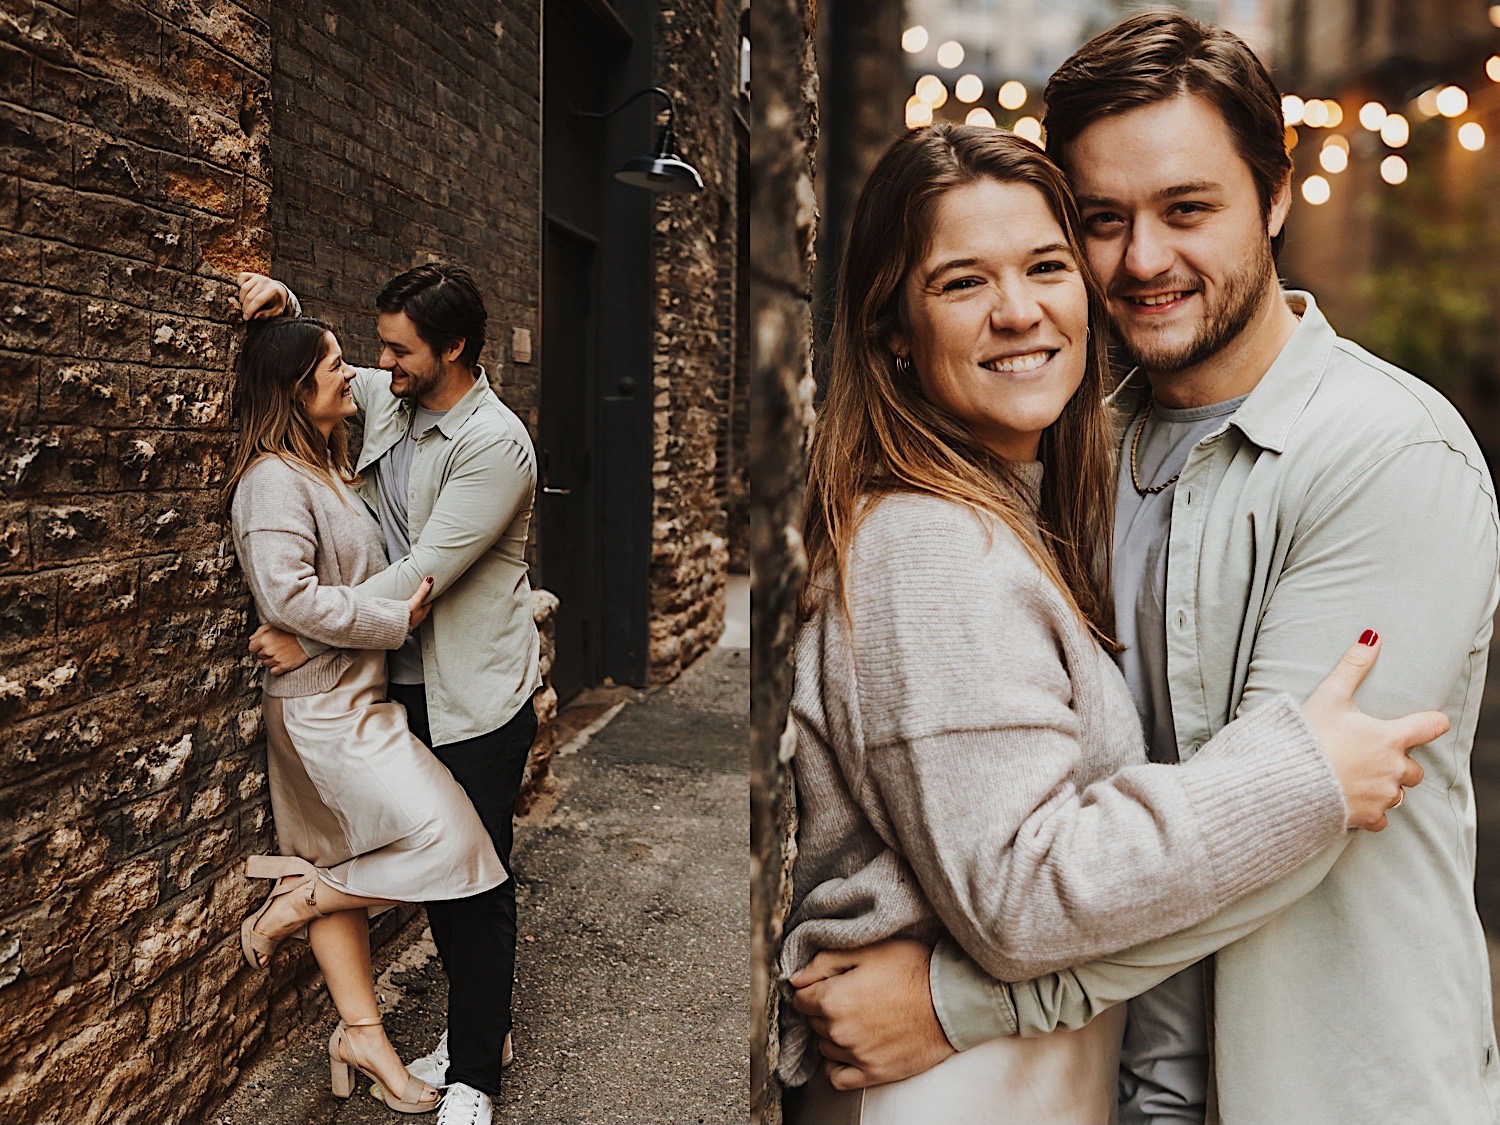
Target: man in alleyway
(1280,489)
(450,472)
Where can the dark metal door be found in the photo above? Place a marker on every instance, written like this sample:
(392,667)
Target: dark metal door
(569,552)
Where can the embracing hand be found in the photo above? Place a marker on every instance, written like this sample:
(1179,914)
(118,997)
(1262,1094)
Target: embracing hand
(871,1010)
(278,650)
(1369,755)
(261,297)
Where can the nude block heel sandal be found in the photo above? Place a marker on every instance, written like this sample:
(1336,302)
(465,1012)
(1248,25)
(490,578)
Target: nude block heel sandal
(253,943)
(341,1073)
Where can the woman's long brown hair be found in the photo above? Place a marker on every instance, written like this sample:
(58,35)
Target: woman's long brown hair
(878,434)
(273,375)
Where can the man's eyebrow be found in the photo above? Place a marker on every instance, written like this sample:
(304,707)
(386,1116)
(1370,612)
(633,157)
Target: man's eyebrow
(1174,191)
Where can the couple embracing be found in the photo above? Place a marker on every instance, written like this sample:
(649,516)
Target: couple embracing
(1089,831)
(401,659)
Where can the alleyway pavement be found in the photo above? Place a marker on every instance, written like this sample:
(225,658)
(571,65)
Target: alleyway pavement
(632,993)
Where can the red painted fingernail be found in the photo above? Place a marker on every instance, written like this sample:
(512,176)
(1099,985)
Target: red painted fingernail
(430,578)
(1369,637)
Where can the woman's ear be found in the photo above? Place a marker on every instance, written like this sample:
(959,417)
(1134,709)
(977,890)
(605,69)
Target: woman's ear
(898,345)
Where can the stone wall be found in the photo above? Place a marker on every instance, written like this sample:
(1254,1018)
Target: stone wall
(697,52)
(783,223)
(133,183)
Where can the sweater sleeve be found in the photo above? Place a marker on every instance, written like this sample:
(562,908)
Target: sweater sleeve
(277,537)
(962,657)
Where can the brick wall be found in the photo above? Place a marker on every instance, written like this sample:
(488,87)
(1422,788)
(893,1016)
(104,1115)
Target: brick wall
(133,182)
(401,138)
(697,52)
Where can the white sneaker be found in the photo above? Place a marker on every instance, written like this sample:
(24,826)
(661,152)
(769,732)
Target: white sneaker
(432,1068)
(464,1105)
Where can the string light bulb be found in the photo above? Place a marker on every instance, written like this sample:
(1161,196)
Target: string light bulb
(1452,101)
(950,54)
(1395,130)
(1030,128)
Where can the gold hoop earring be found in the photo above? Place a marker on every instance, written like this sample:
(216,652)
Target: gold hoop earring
(903,365)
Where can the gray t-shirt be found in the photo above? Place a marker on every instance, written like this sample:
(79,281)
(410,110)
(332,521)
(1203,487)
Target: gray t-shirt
(392,471)
(1164,1059)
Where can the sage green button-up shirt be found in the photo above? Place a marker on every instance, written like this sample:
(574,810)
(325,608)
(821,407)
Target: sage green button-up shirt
(1344,494)
(469,501)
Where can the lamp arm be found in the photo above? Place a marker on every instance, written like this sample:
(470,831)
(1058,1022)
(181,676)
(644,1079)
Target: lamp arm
(671,107)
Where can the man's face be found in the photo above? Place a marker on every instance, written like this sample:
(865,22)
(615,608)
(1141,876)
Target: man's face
(1173,227)
(415,368)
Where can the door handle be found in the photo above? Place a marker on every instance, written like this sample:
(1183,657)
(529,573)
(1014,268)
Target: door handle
(557,491)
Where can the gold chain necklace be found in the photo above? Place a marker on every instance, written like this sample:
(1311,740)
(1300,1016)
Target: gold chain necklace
(1134,445)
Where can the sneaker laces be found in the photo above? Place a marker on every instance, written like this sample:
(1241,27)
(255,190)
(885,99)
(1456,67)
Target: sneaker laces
(462,1104)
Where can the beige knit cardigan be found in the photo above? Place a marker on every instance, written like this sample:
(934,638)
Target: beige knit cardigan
(969,760)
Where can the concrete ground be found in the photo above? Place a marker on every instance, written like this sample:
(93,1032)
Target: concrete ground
(632,993)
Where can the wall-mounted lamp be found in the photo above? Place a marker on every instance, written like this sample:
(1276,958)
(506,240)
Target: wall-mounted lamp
(662,170)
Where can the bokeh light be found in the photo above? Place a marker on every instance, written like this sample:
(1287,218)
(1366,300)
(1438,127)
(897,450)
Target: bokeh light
(1471,135)
(1315,190)
(1395,130)
(1492,67)
(1315,114)
(980,116)
(914,39)
(950,54)
(1452,100)
(1292,108)
(918,113)
(1393,170)
(1030,128)
(1427,102)
(969,88)
(1335,113)
(931,90)
(1333,159)
(1372,115)
(1012,95)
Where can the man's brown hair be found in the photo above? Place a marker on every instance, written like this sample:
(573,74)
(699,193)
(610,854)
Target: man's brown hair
(1159,54)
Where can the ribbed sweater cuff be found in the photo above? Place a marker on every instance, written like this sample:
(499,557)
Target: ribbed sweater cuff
(379,623)
(1268,797)
(318,675)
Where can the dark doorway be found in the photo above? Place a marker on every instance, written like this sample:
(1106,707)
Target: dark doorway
(566,505)
(594,425)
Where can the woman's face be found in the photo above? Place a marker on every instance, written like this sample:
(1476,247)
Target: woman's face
(999,315)
(331,398)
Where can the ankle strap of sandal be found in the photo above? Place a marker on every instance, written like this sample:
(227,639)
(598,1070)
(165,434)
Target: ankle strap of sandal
(368,1021)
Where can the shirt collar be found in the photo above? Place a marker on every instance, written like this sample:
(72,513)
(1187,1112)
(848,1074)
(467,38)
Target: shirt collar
(1277,401)
(1266,416)
(456,415)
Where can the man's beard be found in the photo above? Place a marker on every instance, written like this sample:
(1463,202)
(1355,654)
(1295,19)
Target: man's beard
(1242,294)
(419,383)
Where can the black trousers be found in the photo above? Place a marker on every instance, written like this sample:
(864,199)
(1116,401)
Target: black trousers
(476,936)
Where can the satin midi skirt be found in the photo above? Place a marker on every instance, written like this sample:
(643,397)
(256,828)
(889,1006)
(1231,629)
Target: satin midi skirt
(1066,1078)
(355,792)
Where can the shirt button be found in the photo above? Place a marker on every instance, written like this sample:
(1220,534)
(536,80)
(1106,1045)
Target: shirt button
(1188,497)
(1181,619)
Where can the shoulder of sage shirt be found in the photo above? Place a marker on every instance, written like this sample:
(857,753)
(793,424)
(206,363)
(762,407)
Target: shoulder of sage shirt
(469,494)
(1345,494)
